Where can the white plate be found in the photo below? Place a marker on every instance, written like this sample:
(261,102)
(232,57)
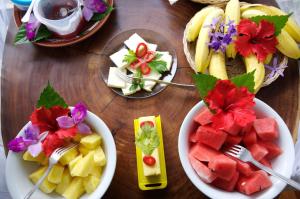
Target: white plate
(283,164)
(17,170)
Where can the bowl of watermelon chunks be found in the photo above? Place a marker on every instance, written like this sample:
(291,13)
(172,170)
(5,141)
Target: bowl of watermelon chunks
(201,152)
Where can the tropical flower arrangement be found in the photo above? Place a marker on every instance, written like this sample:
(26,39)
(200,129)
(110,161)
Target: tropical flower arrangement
(34,30)
(262,36)
(52,125)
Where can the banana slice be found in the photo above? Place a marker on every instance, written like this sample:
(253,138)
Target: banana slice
(252,64)
(217,65)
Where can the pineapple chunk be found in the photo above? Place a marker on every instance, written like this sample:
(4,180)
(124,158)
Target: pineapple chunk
(83,150)
(90,183)
(75,189)
(91,141)
(56,174)
(41,158)
(65,181)
(78,137)
(95,171)
(99,157)
(46,186)
(74,161)
(83,166)
(68,156)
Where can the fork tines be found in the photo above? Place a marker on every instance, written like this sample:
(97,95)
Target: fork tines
(234,150)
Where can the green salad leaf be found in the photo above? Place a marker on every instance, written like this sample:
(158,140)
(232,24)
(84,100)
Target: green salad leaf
(137,81)
(147,139)
(49,98)
(158,65)
(130,57)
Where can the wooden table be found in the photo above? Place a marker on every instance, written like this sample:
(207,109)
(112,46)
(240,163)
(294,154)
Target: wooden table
(74,72)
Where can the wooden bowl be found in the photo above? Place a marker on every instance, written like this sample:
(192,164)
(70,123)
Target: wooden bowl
(88,30)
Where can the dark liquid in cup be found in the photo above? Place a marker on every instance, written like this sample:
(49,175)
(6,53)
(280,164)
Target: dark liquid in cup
(59,10)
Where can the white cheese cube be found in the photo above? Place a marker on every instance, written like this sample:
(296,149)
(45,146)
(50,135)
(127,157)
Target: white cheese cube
(150,84)
(167,58)
(118,57)
(114,80)
(126,91)
(134,41)
(155,169)
(162,52)
(152,47)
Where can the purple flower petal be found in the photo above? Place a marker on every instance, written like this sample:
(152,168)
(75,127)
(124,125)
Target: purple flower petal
(87,13)
(32,132)
(79,113)
(65,122)
(19,144)
(35,149)
(83,128)
(31,27)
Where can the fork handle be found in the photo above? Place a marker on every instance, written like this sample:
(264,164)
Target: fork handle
(39,182)
(291,182)
(169,83)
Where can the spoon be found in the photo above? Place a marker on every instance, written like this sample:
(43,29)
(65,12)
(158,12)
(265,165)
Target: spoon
(26,17)
(63,12)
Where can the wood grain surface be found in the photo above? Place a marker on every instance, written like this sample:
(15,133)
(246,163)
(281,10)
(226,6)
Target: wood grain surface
(74,72)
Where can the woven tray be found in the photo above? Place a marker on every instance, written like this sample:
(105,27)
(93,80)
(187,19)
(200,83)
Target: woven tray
(233,67)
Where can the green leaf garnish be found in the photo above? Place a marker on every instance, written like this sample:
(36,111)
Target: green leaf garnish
(49,98)
(43,33)
(147,139)
(204,83)
(158,65)
(20,37)
(279,21)
(246,80)
(137,81)
(158,56)
(130,57)
(100,16)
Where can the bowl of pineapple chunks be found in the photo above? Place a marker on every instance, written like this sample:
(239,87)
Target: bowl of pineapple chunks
(84,172)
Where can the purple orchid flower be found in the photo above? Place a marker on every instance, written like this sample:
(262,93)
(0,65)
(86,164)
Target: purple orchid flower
(93,6)
(32,27)
(78,115)
(275,68)
(19,144)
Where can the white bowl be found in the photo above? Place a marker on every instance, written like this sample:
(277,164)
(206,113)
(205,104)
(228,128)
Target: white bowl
(283,164)
(17,170)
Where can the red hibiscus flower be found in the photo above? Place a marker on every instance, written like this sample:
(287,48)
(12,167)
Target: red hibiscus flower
(232,105)
(256,39)
(45,120)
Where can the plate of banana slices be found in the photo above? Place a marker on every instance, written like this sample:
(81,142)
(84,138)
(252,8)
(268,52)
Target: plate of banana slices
(238,37)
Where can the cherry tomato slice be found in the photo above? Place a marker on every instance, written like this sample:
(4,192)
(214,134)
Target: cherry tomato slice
(141,50)
(149,56)
(135,64)
(150,123)
(149,160)
(145,69)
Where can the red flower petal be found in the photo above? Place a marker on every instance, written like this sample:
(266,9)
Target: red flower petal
(247,27)
(51,143)
(222,120)
(67,133)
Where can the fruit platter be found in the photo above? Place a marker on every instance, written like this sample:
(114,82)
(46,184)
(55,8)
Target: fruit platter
(156,140)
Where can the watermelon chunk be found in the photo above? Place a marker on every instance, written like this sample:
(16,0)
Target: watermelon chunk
(204,116)
(258,181)
(226,185)
(202,170)
(266,162)
(250,137)
(244,168)
(258,152)
(266,129)
(223,166)
(193,137)
(273,149)
(247,128)
(203,153)
(211,137)
(232,128)
(232,140)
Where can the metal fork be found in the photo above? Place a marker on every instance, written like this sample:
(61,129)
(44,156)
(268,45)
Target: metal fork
(54,158)
(243,154)
(129,79)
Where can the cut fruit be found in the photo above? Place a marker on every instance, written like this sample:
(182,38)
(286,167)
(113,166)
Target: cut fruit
(226,185)
(91,141)
(258,181)
(68,156)
(65,181)
(250,138)
(74,162)
(203,153)
(84,165)
(244,168)
(204,116)
(266,129)
(83,150)
(232,128)
(96,171)
(46,186)
(41,158)
(223,166)
(193,137)
(211,137)
(266,162)
(75,189)
(273,149)
(56,174)
(99,157)
(233,140)
(90,183)
(258,152)
(202,170)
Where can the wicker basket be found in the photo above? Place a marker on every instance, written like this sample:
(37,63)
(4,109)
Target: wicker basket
(233,67)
